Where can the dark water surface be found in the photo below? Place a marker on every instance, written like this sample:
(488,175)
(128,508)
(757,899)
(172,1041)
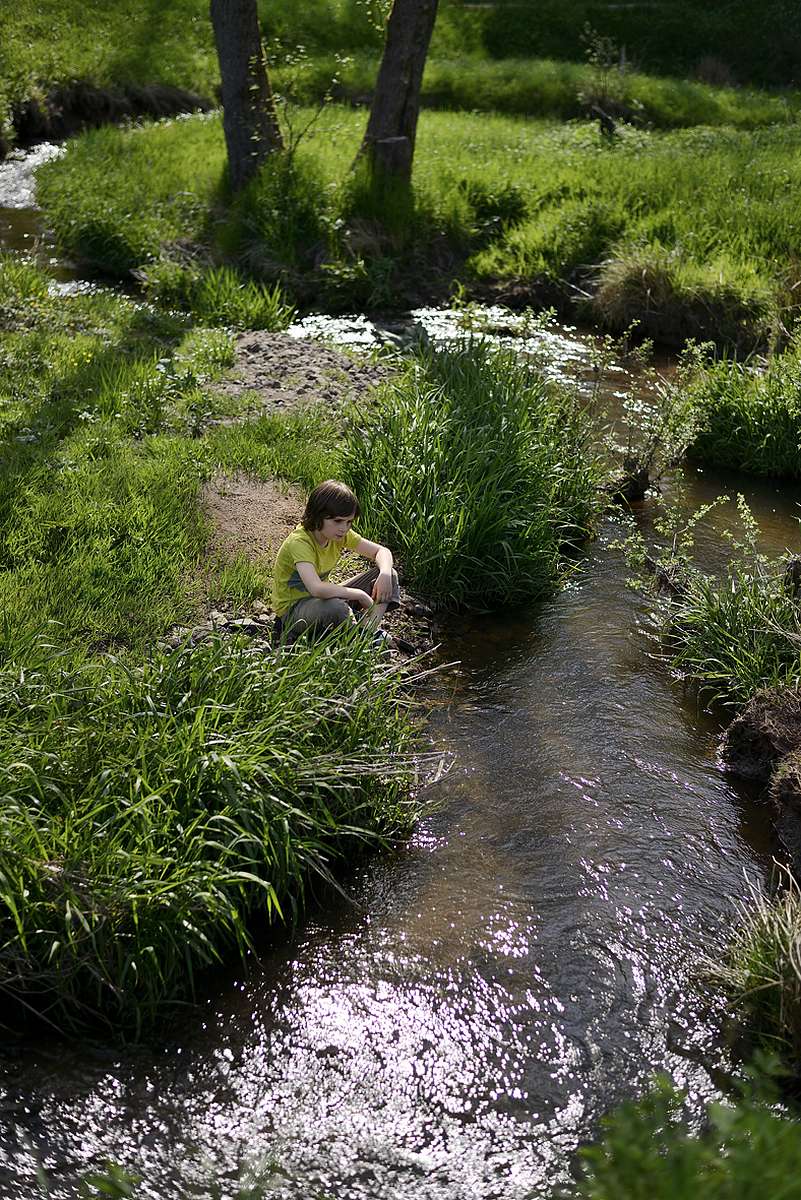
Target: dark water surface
(528,961)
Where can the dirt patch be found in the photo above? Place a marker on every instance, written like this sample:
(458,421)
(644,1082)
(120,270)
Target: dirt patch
(250,516)
(768,729)
(282,372)
(785,784)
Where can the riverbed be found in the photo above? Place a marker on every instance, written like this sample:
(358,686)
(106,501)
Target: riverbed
(456,1027)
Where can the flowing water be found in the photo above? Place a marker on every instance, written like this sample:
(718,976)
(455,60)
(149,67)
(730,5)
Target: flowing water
(457,1027)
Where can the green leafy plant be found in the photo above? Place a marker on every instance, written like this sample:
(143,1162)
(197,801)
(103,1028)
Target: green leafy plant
(478,473)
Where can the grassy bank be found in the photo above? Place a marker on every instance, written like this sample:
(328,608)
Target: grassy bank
(157,808)
(691,233)
(156,814)
(751,415)
(50,63)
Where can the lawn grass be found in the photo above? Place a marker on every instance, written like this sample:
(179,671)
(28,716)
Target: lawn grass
(692,232)
(478,473)
(474,62)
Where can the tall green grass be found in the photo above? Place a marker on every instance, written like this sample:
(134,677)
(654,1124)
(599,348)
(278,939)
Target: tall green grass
(762,971)
(478,473)
(693,232)
(751,415)
(732,633)
(156,814)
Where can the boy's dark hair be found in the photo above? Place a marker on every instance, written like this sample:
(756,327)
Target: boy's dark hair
(329,499)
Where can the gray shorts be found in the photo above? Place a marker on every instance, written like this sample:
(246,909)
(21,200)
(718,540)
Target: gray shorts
(326,614)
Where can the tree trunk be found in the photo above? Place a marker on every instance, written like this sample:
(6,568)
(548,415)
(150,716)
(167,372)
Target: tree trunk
(391,129)
(250,121)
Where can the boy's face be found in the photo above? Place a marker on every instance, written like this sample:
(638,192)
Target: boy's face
(333,529)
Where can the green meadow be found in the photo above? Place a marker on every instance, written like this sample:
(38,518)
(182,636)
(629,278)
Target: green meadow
(554,210)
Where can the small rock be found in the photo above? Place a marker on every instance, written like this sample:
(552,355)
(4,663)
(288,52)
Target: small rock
(243,625)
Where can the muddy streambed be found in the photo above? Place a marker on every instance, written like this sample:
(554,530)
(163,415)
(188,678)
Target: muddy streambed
(456,1029)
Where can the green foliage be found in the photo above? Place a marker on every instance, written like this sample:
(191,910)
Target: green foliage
(153,811)
(732,634)
(280,222)
(693,232)
(477,473)
(674,298)
(752,415)
(762,970)
(218,295)
(647,1153)
(734,40)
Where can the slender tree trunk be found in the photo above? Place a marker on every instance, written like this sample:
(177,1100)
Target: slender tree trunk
(391,129)
(250,121)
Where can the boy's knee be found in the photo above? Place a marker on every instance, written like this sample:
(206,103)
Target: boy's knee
(334,612)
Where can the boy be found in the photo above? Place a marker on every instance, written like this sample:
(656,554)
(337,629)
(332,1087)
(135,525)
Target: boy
(302,596)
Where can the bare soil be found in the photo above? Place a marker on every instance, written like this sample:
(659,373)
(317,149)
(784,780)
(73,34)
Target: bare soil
(768,728)
(250,516)
(280,372)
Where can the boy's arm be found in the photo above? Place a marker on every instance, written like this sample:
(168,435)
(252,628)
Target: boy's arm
(382,557)
(322,590)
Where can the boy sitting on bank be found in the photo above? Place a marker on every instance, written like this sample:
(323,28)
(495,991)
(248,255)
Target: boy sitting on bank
(302,596)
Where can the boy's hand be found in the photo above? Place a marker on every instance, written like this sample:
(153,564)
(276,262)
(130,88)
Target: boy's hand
(357,596)
(382,588)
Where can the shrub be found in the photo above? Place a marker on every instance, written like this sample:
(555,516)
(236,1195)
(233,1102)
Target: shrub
(647,1153)
(478,473)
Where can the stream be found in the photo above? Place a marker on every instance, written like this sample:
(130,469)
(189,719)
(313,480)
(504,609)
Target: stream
(457,1027)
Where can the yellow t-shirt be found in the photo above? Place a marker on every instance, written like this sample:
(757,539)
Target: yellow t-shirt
(300,546)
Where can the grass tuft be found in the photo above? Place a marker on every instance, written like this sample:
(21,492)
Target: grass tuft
(762,971)
(751,415)
(478,473)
